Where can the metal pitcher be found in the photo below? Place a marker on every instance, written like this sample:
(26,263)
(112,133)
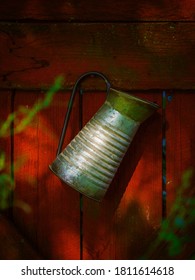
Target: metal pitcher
(91,159)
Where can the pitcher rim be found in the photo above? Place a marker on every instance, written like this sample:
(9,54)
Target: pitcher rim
(130,96)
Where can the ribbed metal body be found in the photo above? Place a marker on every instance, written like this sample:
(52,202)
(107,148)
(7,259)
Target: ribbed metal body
(90,161)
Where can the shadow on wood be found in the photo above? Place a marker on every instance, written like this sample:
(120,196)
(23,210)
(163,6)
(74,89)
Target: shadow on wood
(132,158)
(110,226)
(13,245)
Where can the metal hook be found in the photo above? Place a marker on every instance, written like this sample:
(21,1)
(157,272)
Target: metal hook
(67,116)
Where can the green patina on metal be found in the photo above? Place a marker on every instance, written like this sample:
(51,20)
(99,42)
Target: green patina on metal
(131,106)
(91,159)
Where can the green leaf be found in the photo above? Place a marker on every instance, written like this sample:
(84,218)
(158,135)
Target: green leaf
(2,161)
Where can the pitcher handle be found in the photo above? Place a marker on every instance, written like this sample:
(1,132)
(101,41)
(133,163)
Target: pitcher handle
(70,104)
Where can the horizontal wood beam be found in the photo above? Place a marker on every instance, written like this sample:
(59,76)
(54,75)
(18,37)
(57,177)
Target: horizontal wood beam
(132,55)
(107,10)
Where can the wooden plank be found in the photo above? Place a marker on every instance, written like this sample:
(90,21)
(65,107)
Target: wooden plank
(86,10)
(5,152)
(13,245)
(5,110)
(52,223)
(176,237)
(180,137)
(133,56)
(131,210)
(180,154)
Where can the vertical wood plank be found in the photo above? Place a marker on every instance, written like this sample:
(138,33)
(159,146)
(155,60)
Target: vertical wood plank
(180,155)
(12,243)
(138,216)
(5,145)
(124,223)
(25,173)
(59,205)
(5,110)
(180,137)
(51,218)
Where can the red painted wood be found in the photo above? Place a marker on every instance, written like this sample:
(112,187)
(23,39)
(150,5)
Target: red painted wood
(5,110)
(180,158)
(52,223)
(126,221)
(177,235)
(13,245)
(180,136)
(132,55)
(25,154)
(5,148)
(86,10)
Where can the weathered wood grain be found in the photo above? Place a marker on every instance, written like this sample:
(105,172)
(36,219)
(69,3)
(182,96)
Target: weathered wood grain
(5,138)
(176,239)
(126,221)
(50,218)
(13,245)
(180,137)
(133,55)
(107,10)
(5,153)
